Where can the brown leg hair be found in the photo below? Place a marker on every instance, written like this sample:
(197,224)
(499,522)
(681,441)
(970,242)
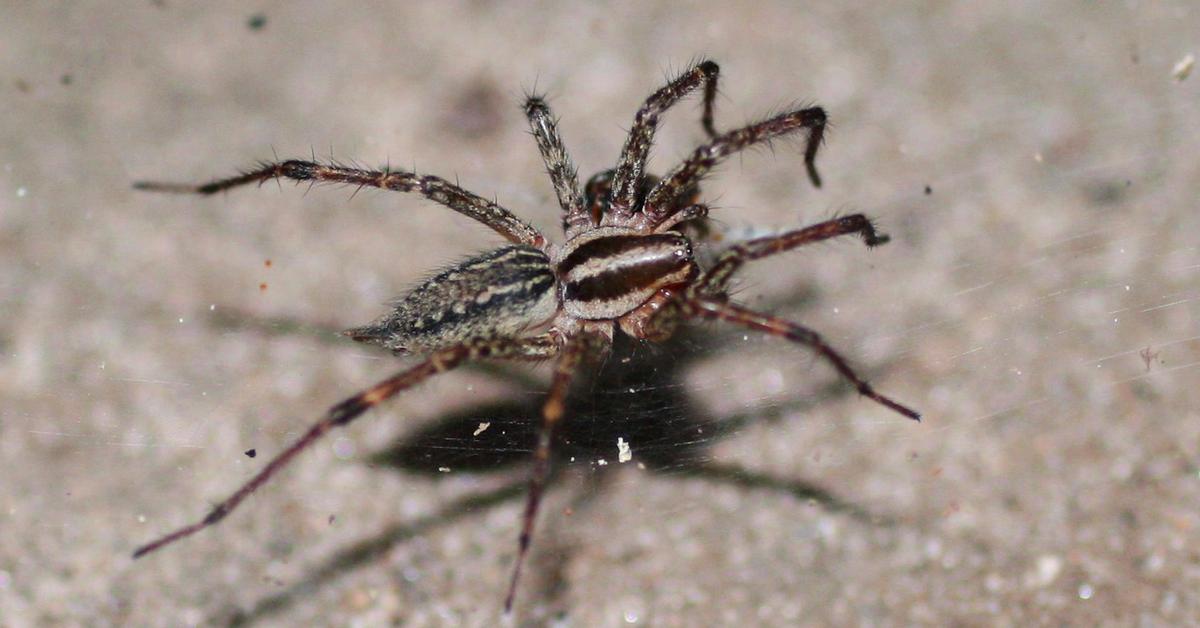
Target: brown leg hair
(716,279)
(536,348)
(708,298)
(434,188)
(722,310)
(686,213)
(631,166)
(561,169)
(687,175)
(552,413)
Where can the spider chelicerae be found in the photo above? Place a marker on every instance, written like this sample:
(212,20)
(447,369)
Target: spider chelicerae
(626,263)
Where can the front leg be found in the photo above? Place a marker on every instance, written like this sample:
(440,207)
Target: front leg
(561,169)
(631,166)
(687,175)
(433,188)
(716,279)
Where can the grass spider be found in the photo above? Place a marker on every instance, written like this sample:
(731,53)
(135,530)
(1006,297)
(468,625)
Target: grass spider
(625,264)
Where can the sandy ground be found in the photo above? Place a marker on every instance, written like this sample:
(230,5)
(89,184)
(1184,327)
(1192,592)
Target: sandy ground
(1035,165)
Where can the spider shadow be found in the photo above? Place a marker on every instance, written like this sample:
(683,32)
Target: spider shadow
(636,396)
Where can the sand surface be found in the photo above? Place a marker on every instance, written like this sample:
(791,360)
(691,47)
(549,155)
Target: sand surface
(1039,302)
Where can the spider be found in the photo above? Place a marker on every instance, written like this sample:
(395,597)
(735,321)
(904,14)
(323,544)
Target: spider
(626,264)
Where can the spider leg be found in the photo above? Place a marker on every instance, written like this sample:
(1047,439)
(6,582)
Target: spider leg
(686,213)
(552,414)
(716,279)
(687,175)
(535,348)
(561,169)
(434,188)
(631,166)
(707,298)
(717,309)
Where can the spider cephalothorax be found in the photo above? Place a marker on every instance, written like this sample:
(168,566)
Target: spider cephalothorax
(625,264)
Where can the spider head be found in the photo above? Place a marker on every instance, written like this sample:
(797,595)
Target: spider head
(598,191)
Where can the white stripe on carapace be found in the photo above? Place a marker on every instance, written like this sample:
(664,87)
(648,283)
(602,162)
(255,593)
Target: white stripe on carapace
(610,271)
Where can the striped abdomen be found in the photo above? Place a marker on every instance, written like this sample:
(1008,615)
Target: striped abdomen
(497,294)
(608,272)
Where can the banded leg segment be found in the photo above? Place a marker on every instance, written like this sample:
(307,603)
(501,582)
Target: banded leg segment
(716,279)
(552,413)
(715,309)
(688,174)
(433,188)
(563,173)
(686,213)
(536,348)
(631,166)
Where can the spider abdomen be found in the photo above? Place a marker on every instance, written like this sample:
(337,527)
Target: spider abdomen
(610,271)
(499,293)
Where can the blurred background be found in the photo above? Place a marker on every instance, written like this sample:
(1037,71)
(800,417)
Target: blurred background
(1035,164)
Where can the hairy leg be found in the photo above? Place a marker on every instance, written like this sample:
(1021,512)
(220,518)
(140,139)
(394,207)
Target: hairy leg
(716,279)
(716,309)
(685,213)
(563,173)
(434,188)
(631,166)
(552,413)
(687,175)
(536,348)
